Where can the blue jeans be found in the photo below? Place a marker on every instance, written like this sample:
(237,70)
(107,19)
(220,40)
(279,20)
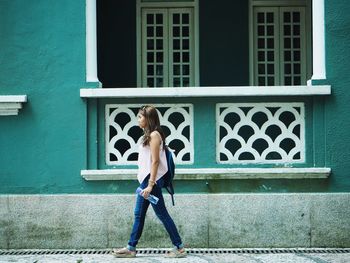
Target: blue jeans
(160,210)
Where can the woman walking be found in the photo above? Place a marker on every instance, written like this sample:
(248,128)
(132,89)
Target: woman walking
(152,166)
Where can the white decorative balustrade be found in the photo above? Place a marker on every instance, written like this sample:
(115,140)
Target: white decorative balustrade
(260,133)
(123,135)
(253,140)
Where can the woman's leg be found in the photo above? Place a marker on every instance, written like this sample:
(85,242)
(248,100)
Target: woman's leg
(166,219)
(140,213)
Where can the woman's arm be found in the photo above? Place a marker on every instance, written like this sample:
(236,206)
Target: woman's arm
(155,147)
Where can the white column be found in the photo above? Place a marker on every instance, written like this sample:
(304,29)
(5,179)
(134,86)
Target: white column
(318,38)
(91,46)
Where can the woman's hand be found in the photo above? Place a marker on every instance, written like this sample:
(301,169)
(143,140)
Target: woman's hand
(146,192)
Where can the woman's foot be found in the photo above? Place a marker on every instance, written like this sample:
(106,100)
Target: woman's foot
(177,253)
(123,253)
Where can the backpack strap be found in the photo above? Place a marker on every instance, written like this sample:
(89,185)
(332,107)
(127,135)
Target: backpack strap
(170,190)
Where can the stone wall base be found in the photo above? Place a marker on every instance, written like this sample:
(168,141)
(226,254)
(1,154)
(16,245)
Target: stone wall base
(203,220)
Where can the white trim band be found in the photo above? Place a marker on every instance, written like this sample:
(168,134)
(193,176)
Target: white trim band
(206,91)
(215,173)
(11,104)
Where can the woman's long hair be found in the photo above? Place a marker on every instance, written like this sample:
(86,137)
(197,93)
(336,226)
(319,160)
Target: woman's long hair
(153,124)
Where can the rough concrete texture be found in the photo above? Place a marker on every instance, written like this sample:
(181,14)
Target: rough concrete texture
(215,220)
(320,257)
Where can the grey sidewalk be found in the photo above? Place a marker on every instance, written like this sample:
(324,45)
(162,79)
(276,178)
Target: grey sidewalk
(195,255)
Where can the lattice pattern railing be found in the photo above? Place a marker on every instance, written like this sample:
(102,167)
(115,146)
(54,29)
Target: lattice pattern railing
(260,133)
(123,134)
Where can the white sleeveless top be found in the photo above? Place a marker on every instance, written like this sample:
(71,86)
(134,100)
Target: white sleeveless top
(145,162)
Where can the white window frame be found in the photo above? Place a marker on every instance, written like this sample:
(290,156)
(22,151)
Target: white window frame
(279,3)
(167,4)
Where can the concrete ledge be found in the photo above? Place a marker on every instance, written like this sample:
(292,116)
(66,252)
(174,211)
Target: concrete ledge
(10,104)
(204,220)
(206,91)
(214,173)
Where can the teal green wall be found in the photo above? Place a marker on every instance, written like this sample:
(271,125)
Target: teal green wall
(43,149)
(337,107)
(42,54)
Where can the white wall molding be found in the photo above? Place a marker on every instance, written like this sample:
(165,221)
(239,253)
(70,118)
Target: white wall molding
(11,104)
(318,37)
(91,46)
(215,173)
(206,91)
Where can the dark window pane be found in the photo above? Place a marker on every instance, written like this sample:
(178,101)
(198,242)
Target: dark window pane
(176,44)
(185,69)
(176,56)
(270,81)
(150,70)
(288,81)
(297,81)
(261,81)
(159,56)
(185,57)
(296,42)
(185,19)
(185,43)
(150,31)
(269,17)
(270,56)
(261,56)
(186,82)
(270,43)
(159,31)
(287,56)
(270,69)
(261,43)
(159,70)
(185,31)
(270,31)
(150,44)
(287,69)
(287,30)
(296,30)
(296,55)
(150,82)
(150,19)
(177,82)
(287,43)
(261,30)
(159,19)
(176,31)
(296,68)
(261,69)
(150,57)
(286,17)
(296,17)
(261,17)
(159,82)
(159,44)
(176,69)
(176,19)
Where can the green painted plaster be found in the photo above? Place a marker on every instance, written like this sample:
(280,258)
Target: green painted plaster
(42,54)
(337,118)
(56,134)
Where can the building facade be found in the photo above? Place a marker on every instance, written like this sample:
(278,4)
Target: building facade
(252,97)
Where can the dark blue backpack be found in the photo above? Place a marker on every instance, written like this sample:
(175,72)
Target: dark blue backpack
(169,176)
